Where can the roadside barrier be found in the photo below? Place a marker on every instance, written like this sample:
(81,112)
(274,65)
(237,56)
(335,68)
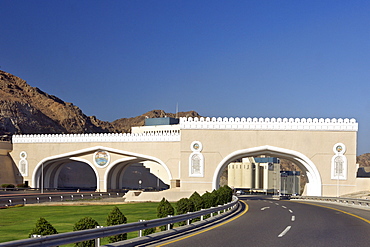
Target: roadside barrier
(347,201)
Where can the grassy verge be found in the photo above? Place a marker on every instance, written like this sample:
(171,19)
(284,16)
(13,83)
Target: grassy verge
(16,223)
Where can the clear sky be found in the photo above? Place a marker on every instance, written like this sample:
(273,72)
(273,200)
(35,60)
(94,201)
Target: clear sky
(252,58)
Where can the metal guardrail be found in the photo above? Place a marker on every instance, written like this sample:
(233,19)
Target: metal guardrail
(84,235)
(348,201)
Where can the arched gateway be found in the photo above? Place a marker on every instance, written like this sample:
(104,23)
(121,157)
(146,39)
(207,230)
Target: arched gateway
(191,154)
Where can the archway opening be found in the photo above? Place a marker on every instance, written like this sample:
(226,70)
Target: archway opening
(137,175)
(308,168)
(66,174)
(264,175)
(76,175)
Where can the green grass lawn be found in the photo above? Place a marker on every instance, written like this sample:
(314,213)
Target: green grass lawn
(16,223)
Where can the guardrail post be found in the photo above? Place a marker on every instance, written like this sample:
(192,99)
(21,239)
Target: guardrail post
(202,216)
(169,225)
(10,202)
(61,198)
(36,236)
(24,201)
(141,230)
(38,200)
(49,198)
(188,221)
(97,240)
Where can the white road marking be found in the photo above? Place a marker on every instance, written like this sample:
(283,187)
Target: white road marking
(284,232)
(283,206)
(290,211)
(264,208)
(276,203)
(293,218)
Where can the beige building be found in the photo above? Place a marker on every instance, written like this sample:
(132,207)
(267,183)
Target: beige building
(256,174)
(191,155)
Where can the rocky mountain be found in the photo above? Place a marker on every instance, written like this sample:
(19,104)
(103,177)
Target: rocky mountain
(29,110)
(364,160)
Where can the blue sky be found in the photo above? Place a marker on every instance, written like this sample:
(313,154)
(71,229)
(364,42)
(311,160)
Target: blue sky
(259,58)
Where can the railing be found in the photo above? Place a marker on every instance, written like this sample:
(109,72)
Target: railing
(84,235)
(347,201)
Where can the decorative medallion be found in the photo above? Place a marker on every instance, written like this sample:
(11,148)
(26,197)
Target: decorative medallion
(23,155)
(101,158)
(196,146)
(339,148)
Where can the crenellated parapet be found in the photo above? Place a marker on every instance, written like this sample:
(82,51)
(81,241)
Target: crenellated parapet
(97,137)
(306,124)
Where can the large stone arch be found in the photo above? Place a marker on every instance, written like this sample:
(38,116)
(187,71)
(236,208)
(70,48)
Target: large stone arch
(314,185)
(47,171)
(116,169)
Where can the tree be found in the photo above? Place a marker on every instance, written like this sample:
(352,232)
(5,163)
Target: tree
(164,209)
(116,217)
(197,202)
(183,206)
(148,231)
(43,228)
(82,224)
(208,199)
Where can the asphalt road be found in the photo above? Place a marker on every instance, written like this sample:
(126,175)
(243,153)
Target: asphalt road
(270,222)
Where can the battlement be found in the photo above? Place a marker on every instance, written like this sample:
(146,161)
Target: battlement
(306,124)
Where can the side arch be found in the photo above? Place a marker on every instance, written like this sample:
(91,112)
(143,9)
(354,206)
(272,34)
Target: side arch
(48,169)
(314,185)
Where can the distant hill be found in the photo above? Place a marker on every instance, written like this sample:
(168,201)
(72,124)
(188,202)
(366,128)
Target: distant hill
(29,110)
(363,160)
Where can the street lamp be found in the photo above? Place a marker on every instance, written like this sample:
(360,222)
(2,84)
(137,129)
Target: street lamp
(42,178)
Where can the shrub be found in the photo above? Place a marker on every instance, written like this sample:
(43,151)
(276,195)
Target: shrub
(8,186)
(148,231)
(116,217)
(225,194)
(82,224)
(163,210)
(197,202)
(217,200)
(22,186)
(208,199)
(43,228)
(183,206)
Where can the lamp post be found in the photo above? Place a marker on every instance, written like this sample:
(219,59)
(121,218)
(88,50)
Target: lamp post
(42,178)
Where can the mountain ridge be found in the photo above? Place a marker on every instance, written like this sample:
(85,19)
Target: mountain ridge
(29,110)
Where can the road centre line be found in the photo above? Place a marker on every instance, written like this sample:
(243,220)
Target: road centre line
(290,211)
(293,218)
(284,232)
(283,206)
(213,227)
(264,208)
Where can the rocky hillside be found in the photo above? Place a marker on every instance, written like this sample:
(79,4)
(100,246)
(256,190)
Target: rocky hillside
(29,110)
(364,160)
